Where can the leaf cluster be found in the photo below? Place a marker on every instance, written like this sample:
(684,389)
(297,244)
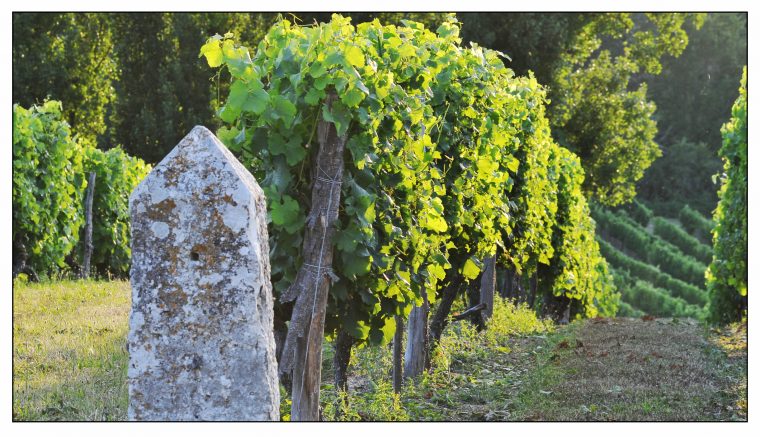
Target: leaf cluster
(577,271)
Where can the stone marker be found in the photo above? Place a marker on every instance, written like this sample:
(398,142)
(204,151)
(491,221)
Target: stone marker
(201,345)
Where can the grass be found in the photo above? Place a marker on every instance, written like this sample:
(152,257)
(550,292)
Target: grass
(473,375)
(69,350)
(70,361)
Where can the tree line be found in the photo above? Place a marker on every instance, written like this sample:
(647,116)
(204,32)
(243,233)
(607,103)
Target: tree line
(601,70)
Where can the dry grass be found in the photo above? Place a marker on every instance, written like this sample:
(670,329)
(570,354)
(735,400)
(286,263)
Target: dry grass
(732,341)
(634,370)
(69,350)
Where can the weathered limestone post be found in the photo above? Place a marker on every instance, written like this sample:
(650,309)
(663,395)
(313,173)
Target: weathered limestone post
(201,345)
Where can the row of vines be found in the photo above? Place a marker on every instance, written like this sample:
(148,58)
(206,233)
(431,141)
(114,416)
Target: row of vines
(50,168)
(449,166)
(727,276)
(657,251)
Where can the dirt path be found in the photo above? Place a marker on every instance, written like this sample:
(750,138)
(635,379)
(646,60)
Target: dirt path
(638,370)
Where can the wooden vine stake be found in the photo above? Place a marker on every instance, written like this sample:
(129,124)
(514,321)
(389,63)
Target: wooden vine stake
(487,287)
(398,339)
(88,226)
(416,355)
(302,351)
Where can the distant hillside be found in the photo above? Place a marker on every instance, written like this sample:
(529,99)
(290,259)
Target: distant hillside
(658,263)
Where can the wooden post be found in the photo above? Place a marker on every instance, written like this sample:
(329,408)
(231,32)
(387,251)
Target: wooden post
(416,354)
(88,226)
(487,287)
(343,343)
(533,290)
(506,288)
(302,351)
(398,338)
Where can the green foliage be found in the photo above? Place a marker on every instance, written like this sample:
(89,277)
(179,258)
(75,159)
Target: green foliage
(610,127)
(695,91)
(448,160)
(535,188)
(510,319)
(392,214)
(66,57)
(117,174)
(534,41)
(694,94)
(727,274)
(681,239)
(159,102)
(50,173)
(427,188)
(48,184)
(695,223)
(431,20)
(378,404)
(597,114)
(681,176)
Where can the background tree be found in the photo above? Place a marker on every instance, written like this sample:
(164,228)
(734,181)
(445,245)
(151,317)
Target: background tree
(683,175)
(160,101)
(694,93)
(69,58)
(588,62)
